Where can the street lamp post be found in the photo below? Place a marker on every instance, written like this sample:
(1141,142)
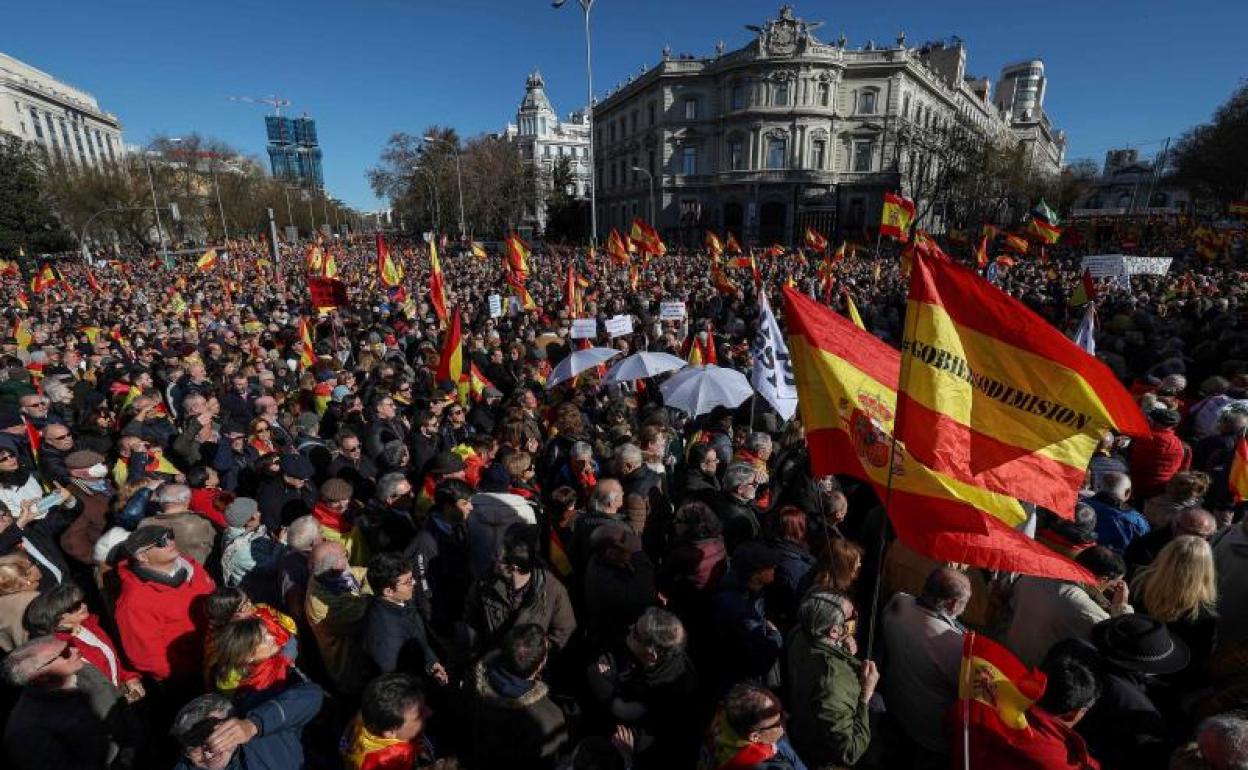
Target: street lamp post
(160,232)
(290,216)
(433,189)
(586,7)
(459,181)
(650,180)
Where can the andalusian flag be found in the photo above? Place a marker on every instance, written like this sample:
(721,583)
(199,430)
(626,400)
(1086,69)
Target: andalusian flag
(478,250)
(518,255)
(389,271)
(895,219)
(1044,231)
(815,240)
(992,679)
(847,390)
(437,286)
(713,244)
(1238,479)
(994,396)
(616,248)
(1043,211)
(207,262)
(731,246)
(307,350)
(451,360)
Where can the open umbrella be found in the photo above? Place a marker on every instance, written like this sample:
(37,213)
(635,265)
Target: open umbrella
(642,365)
(699,389)
(579,361)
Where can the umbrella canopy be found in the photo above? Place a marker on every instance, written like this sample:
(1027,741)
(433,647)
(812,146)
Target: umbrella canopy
(642,365)
(579,361)
(699,389)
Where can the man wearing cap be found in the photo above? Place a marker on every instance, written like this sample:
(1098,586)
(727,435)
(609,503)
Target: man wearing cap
(749,643)
(159,620)
(195,535)
(1155,458)
(249,555)
(89,484)
(289,495)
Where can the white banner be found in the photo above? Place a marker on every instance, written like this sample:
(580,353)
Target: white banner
(496,306)
(772,376)
(584,328)
(672,311)
(619,326)
(1121,265)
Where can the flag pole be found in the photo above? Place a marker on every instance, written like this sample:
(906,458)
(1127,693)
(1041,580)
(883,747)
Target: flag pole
(966,701)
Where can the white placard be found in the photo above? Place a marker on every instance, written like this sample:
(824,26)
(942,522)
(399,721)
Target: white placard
(1121,265)
(496,306)
(1147,265)
(584,328)
(619,326)
(672,311)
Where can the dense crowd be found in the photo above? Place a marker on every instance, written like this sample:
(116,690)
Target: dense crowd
(214,555)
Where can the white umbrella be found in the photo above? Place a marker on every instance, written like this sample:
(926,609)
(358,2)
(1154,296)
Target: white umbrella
(642,365)
(699,389)
(579,361)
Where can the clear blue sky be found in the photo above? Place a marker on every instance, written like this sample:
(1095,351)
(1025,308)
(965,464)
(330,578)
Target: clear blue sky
(1119,72)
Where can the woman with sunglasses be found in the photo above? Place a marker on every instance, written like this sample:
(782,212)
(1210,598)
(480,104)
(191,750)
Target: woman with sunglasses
(63,613)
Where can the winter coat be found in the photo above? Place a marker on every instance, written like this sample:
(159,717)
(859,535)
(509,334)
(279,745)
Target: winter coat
(492,514)
(396,639)
(1155,459)
(1046,611)
(515,724)
(281,718)
(694,567)
(829,722)
(40,541)
(582,529)
(492,609)
(79,538)
(161,626)
(250,560)
(441,565)
(656,703)
(337,621)
(280,503)
(12,609)
(748,645)
(923,649)
(1116,526)
(98,649)
(1230,558)
(793,564)
(56,729)
(616,595)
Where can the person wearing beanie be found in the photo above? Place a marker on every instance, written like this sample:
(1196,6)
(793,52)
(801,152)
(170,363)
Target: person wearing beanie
(334,512)
(250,556)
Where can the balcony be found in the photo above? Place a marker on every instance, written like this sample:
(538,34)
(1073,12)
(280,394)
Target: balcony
(777,176)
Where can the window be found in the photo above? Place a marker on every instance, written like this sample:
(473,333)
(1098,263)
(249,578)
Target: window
(818,153)
(781,95)
(824,94)
(632,119)
(541,126)
(650,113)
(614,179)
(546,151)
(737,96)
(34,119)
(736,154)
(862,154)
(613,132)
(905,106)
(777,152)
(650,162)
(866,103)
(691,109)
(689,161)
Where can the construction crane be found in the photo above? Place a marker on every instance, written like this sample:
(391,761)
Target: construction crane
(276,102)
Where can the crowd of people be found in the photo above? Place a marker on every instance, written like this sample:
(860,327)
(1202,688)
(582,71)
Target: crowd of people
(214,554)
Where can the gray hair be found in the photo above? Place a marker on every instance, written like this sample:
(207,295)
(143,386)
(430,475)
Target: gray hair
(22,665)
(1224,736)
(581,450)
(173,493)
(945,584)
(606,492)
(820,612)
(327,561)
(196,711)
(388,484)
(757,441)
(628,454)
(661,630)
(738,474)
(303,533)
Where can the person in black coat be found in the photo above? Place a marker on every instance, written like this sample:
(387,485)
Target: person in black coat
(39,536)
(287,496)
(386,521)
(395,635)
(386,426)
(700,482)
(735,505)
(441,559)
(619,583)
(58,442)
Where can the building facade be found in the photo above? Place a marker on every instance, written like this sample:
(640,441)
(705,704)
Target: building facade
(1130,186)
(294,152)
(542,139)
(65,121)
(787,132)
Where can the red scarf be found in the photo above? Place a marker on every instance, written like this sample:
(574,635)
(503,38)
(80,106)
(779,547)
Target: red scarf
(331,518)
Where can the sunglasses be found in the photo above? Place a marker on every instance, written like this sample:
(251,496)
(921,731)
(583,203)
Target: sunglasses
(66,653)
(162,542)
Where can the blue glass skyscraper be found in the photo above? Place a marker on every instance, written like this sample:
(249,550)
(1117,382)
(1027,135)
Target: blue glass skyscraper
(294,153)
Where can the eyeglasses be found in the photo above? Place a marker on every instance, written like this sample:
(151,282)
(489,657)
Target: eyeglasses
(59,437)
(4,456)
(162,542)
(351,449)
(66,653)
(781,720)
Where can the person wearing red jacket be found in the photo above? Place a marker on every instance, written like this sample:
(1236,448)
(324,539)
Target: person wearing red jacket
(159,614)
(1155,458)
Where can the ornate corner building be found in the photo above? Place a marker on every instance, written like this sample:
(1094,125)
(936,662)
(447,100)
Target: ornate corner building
(789,132)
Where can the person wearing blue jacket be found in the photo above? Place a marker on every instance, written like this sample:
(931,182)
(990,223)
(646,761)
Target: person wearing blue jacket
(214,736)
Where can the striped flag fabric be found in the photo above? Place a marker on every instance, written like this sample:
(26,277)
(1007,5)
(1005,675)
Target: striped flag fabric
(896,216)
(847,396)
(616,248)
(731,246)
(437,286)
(991,678)
(307,350)
(1238,477)
(389,271)
(207,262)
(992,395)
(713,244)
(1043,231)
(518,255)
(815,240)
(451,360)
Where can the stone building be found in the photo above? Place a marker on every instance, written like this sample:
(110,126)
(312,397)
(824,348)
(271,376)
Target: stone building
(788,132)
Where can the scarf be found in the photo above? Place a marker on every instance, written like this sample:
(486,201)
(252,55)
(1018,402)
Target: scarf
(180,575)
(507,684)
(339,582)
(331,518)
(730,751)
(363,750)
(15,478)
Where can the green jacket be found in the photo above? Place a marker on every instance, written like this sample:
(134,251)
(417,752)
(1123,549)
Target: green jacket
(829,722)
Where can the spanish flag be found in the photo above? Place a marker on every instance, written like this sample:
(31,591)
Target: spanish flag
(478,250)
(389,272)
(330,269)
(852,309)
(571,295)
(731,246)
(1238,478)
(518,255)
(895,219)
(9,269)
(713,244)
(695,357)
(616,248)
(774,250)
(451,361)
(647,238)
(315,260)
(207,262)
(996,683)
(521,293)
(1016,244)
(477,382)
(981,253)
(437,286)
(815,240)
(23,301)
(847,391)
(307,350)
(992,395)
(1043,231)
(45,279)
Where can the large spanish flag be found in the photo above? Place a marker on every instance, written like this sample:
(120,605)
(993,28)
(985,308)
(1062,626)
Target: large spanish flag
(437,285)
(847,393)
(994,396)
(730,244)
(1043,231)
(451,360)
(517,255)
(389,271)
(616,248)
(896,217)
(815,240)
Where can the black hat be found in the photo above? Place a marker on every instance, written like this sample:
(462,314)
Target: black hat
(445,463)
(753,557)
(1140,643)
(144,537)
(297,466)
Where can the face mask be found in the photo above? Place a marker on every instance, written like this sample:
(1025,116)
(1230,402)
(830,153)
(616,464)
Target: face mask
(97,471)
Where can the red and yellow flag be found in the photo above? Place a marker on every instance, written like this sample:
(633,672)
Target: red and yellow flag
(731,246)
(847,392)
(571,293)
(207,262)
(895,219)
(995,681)
(518,256)
(1238,478)
(815,240)
(981,253)
(389,271)
(437,286)
(1016,244)
(852,309)
(477,382)
(478,250)
(314,259)
(44,279)
(647,238)
(713,244)
(994,396)
(451,360)
(1085,290)
(307,350)
(616,248)
(1043,231)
